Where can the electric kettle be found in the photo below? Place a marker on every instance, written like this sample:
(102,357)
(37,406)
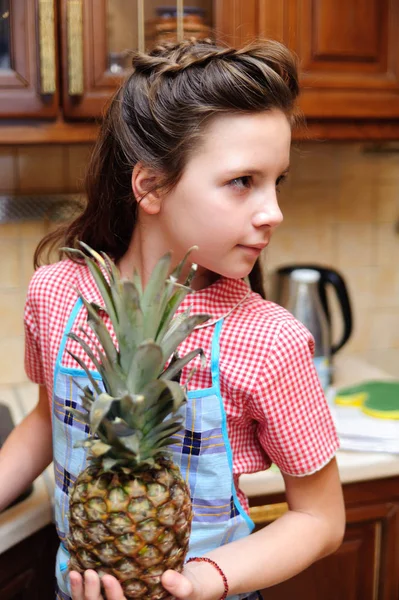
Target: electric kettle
(302,289)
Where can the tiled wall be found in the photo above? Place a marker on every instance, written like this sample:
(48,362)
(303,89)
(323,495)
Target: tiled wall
(340,205)
(36,170)
(341,209)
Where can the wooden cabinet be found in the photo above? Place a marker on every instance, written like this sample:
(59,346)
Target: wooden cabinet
(61,60)
(27,571)
(95,34)
(348,51)
(366,567)
(28,59)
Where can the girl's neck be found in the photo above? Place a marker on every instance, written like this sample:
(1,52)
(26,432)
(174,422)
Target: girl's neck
(136,258)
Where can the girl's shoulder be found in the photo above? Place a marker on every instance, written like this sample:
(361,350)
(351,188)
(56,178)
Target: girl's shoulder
(54,280)
(262,325)
(258,313)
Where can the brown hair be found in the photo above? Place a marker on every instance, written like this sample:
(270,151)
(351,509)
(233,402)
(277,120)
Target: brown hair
(157,117)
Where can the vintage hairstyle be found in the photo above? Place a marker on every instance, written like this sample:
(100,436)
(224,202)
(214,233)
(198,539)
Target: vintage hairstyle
(158,116)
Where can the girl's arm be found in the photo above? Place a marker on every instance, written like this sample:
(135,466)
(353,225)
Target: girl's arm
(26,452)
(312,528)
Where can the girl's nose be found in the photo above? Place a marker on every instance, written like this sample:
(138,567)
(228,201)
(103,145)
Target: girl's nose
(269,214)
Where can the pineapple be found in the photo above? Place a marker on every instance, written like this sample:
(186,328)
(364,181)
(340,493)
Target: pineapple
(130,510)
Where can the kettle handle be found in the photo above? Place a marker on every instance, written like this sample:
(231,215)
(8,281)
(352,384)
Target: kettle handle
(329,276)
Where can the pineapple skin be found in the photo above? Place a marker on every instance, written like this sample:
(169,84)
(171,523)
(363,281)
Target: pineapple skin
(133,526)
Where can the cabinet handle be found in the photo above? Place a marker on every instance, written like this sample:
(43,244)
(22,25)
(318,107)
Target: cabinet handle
(75,47)
(267,513)
(48,83)
(180,20)
(140,26)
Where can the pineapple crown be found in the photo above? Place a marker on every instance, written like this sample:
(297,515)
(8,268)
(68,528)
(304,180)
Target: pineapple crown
(134,419)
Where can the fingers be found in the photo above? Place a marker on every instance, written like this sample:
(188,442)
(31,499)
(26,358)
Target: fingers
(113,589)
(87,589)
(179,586)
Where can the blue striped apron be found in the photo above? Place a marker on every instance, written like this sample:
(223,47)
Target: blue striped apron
(202,451)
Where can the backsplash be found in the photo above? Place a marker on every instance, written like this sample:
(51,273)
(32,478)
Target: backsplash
(340,204)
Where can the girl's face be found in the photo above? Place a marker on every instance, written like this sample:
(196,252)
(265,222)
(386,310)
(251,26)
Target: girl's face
(226,200)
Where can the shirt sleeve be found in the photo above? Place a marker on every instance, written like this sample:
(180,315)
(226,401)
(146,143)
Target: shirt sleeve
(295,426)
(33,354)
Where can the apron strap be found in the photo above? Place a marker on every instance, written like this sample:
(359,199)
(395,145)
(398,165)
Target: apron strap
(215,352)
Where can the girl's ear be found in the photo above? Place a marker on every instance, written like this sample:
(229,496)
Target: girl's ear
(145,182)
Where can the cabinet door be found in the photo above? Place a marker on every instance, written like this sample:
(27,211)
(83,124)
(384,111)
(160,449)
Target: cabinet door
(364,568)
(28,67)
(348,50)
(97,35)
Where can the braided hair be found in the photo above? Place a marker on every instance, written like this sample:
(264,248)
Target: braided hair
(158,117)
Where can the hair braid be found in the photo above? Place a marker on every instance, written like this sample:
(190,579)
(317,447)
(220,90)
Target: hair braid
(175,58)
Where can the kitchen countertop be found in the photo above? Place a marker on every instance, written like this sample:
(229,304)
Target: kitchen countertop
(36,511)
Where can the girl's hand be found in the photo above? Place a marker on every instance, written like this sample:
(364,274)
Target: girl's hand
(179,585)
(88,588)
(191,585)
(199,581)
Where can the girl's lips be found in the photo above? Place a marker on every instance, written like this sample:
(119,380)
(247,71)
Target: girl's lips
(251,250)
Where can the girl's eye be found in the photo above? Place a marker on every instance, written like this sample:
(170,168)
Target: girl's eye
(279,182)
(241,182)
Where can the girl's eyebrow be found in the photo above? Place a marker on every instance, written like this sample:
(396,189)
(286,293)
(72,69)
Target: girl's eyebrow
(250,171)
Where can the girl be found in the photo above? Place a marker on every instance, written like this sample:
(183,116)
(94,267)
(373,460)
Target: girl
(192,151)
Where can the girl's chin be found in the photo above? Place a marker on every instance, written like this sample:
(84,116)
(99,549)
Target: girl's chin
(237,273)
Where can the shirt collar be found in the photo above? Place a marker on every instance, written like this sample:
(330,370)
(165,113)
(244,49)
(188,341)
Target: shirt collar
(217,300)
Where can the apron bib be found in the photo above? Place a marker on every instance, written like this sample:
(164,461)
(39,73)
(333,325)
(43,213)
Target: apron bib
(202,451)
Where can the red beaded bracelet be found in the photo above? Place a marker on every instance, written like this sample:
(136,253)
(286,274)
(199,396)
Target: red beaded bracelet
(218,569)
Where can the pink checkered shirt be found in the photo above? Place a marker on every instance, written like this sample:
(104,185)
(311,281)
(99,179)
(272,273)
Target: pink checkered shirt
(276,410)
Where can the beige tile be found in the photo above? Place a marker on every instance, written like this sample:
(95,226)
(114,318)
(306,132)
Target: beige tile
(11,312)
(387,202)
(387,167)
(355,202)
(360,167)
(10,231)
(361,284)
(316,161)
(10,264)
(387,245)
(78,157)
(384,329)
(387,360)
(12,361)
(309,204)
(302,244)
(33,229)
(28,247)
(355,245)
(7,170)
(386,286)
(42,169)
(360,337)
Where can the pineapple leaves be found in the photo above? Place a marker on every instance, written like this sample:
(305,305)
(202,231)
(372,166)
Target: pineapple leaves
(146,365)
(134,412)
(104,288)
(99,448)
(102,333)
(88,351)
(79,416)
(176,366)
(99,410)
(131,323)
(131,443)
(86,370)
(172,340)
(152,296)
